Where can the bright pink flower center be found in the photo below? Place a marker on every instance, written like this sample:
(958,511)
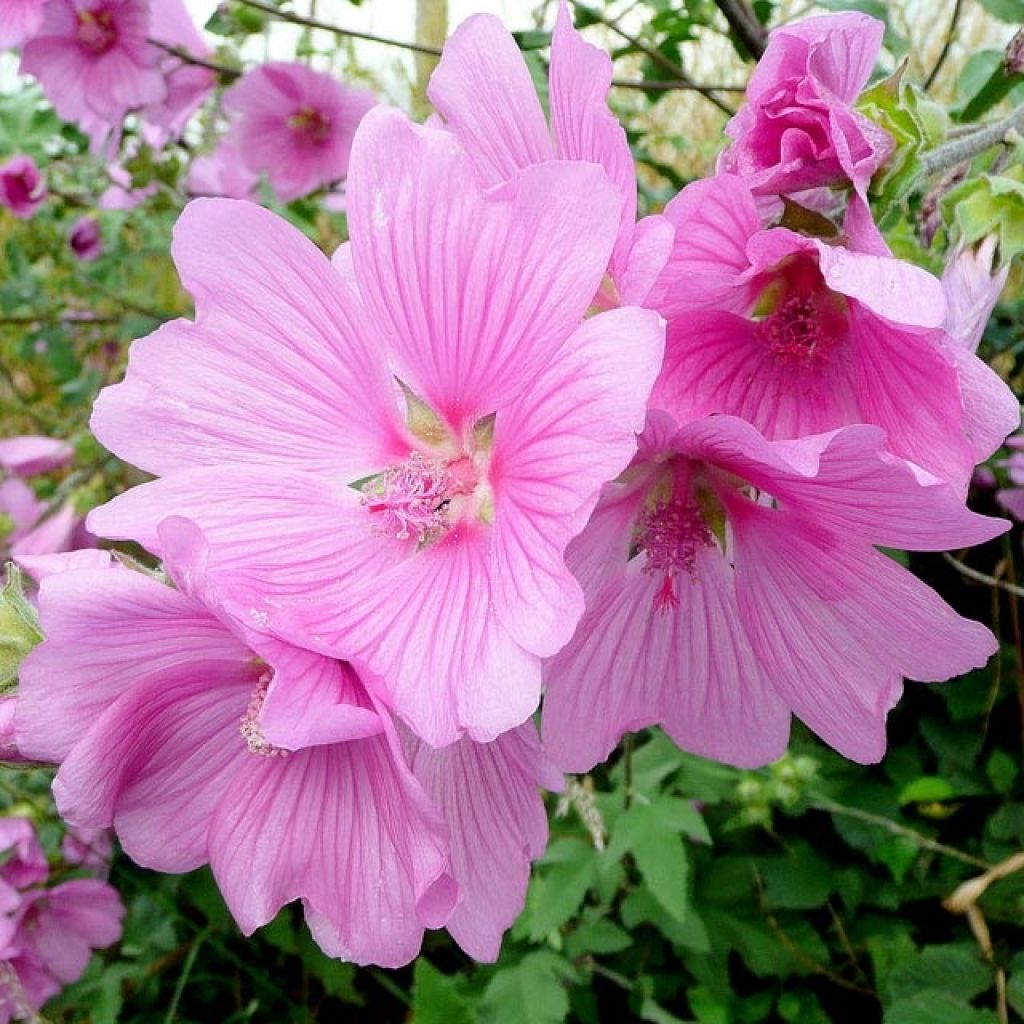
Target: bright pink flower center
(412,499)
(310,125)
(250,725)
(671,533)
(97,31)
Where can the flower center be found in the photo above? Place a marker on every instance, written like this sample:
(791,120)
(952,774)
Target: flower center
(249,726)
(97,31)
(670,533)
(802,330)
(413,499)
(310,125)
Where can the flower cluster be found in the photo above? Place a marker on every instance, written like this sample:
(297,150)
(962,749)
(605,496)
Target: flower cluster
(48,932)
(509,443)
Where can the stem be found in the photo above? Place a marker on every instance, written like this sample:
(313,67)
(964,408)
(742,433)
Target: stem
(744,23)
(959,150)
(820,803)
(657,57)
(981,577)
(297,19)
(944,52)
(187,58)
(671,84)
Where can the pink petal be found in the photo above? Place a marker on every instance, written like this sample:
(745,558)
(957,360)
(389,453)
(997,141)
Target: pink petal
(106,630)
(276,370)
(157,762)
(650,248)
(553,450)
(473,293)
(29,455)
(488,795)
(836,625)
(483,90)
(688,668)
(345,828)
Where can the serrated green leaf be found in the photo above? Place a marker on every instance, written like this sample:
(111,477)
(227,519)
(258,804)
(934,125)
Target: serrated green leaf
(560,885)
(932,1007)
(436,998)
(955,969)
(532,991)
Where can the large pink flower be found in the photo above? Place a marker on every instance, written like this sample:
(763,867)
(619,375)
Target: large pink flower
(801,334)
(798,128)
(273,764)
(20,21)
(394,480)
(93,61)
(484,92)
(296,125)
(732,580)
(22,189)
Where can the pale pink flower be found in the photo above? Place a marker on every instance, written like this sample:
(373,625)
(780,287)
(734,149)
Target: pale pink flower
(30,454)
(120,195)
(799,128)
(222,172)
(801,334)
(732,580)
(972,289)
(46,935)
(273,764)
(394,477)
(188,85)
(296,125)
(484,92)
(1012,498)
(22,189)
(19,21)
(86,239)
(90,848)
(94,63)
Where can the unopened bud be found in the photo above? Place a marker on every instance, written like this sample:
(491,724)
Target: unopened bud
(19,629)
(1013,59)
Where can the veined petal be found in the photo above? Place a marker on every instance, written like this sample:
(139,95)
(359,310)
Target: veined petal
(473,292)
(483,90)
(276,370)
(345,828)
(488,794)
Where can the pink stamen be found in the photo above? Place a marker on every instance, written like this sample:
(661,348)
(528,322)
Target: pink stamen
(411,499)
(97,31)
(803,329)
(671,533)
(250,725)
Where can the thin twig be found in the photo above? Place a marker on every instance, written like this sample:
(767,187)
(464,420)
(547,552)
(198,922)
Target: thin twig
(744,23)
(667,85)
(981,577)
(820,803)
(297,19)
(944,52)
(959,150)
(187,58)
(658,58)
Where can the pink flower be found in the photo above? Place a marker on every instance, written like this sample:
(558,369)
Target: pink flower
(801,334)
(798,128)
(21,20)
(85,239)
(1012,498)
(972,289)
(295,124)
(88,848)
(222,172)
(120,195)
(46,935)
(188,85)
(732,580)
(484,92)
(30,454)
(273,764)
(22,189)
(56,931)
(94,63)
(393,478)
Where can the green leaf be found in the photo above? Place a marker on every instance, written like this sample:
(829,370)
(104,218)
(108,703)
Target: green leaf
(1001,770)
(800,880)
(954,969)
(596,934)
(1011,11)
(931,1007)
(924,790)
(531,992)
(560,885)
(436,998)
